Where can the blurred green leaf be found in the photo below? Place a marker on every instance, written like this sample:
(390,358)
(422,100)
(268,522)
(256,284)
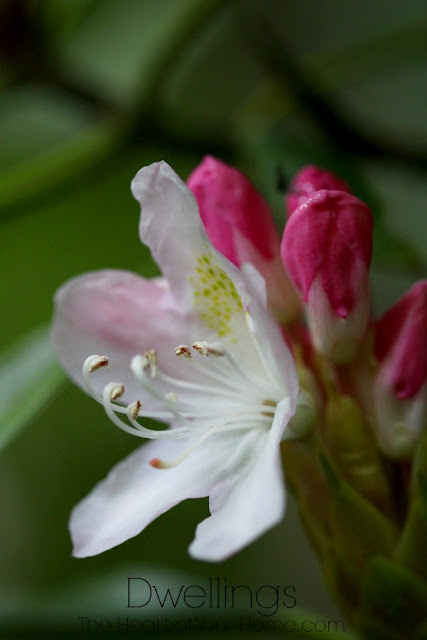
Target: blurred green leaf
(35,118)
(394,602)
(29,377)
(402,192)
(395,252)
(61,17)
(47,137)
(118,50)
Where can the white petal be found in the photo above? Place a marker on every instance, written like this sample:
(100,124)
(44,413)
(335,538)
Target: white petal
(255,283)
(134,493)
(170,225)
(249,501)
(277,359)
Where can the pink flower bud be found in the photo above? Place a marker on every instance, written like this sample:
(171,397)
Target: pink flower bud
(400,386)
(308,180)
(240,225)
(326,249)
(401,342)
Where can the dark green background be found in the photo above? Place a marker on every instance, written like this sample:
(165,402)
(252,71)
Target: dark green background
(91,90)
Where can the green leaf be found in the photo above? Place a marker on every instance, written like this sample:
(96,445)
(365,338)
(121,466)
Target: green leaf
(363,470)
(121,46)
(29,377)
(411,550)
(359,530)
(394,600)
(395,252)
(47,138)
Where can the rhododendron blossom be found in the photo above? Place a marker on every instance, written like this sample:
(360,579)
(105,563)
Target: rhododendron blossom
(197,350)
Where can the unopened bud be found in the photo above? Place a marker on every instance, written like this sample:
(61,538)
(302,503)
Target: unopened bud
(308,180)
(326,248)
(400,385)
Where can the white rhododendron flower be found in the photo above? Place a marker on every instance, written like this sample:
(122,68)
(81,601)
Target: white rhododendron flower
(197,350)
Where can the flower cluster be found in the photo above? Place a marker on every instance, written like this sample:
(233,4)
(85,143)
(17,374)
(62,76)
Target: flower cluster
(247,343)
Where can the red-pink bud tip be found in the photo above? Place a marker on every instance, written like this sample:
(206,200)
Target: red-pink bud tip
(330,236)
(230,205)
(308,180)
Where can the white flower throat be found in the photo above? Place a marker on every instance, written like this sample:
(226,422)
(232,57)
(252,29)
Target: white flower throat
(227,399)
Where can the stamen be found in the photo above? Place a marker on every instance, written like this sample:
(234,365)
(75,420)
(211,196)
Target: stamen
(117,390)
(133,412)
(193,386)
(111,392)
(157,463)
(206,349)
(149,361)
(183,351)
(229,425)
(96,362)
(92,363)
(134,409)
(138,366)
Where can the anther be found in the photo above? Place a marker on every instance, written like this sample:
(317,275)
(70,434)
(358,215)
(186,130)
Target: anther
(149,361)
(96,362)
(134,408)
(205,349)
(183,351)
(117,389)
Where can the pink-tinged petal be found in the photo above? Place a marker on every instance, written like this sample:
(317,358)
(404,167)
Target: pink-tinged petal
(308,180)
(134,493)
(250,501)
(117,314)
(228,202)
(401,342)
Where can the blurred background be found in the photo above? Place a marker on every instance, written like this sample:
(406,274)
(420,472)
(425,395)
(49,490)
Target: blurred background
(90,91)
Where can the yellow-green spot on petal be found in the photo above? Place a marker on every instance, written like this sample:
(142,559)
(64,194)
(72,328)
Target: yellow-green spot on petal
(218,310)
